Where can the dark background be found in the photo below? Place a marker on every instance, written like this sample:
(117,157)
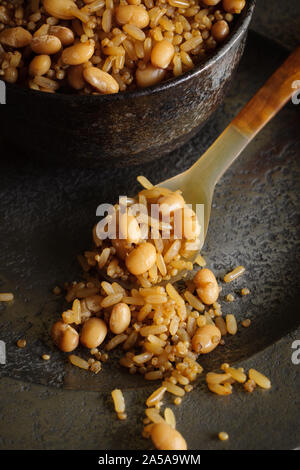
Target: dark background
(279,20)
(37,416)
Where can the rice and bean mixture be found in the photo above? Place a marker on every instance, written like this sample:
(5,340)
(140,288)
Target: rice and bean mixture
(161,329)
(107,46)
(147,250)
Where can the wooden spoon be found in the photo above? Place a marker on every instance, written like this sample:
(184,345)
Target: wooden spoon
(198,182)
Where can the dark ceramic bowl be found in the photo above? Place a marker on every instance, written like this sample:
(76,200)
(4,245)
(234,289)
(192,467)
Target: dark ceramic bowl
(127,127)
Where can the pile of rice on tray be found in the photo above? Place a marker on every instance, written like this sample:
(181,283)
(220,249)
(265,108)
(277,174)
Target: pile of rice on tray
(161,330)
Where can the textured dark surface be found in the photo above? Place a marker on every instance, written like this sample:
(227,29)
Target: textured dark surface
(126,127)
(279,21)
(46,215)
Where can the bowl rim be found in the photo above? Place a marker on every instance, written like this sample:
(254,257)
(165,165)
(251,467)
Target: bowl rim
(240,27)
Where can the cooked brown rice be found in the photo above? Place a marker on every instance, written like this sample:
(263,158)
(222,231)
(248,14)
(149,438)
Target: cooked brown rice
(124,43)
(6,296)
(164,320)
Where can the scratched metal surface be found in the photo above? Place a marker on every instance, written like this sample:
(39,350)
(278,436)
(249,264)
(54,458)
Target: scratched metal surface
(46,215)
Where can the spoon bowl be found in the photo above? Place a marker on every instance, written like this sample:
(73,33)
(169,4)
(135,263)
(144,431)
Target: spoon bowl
(197,183)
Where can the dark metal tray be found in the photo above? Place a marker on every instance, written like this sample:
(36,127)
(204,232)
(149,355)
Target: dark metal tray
(46,218)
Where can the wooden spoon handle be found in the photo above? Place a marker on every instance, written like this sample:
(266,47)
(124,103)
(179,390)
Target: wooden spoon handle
(251,119)
(270,98)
